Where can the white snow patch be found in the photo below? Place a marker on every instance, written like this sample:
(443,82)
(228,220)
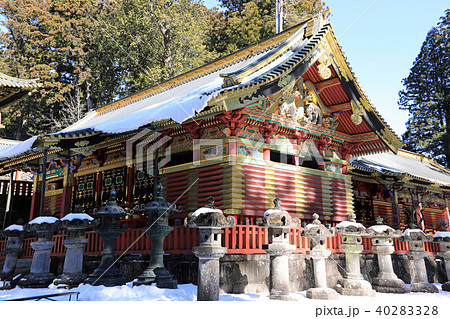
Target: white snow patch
(347,223)
(72,216)
(272,211)
(442,234)
(380,228)
(408,231)
(18,149)
(14,227)
(44,219)
(205,210)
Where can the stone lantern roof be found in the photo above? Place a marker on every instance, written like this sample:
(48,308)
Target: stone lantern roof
(159,203)
(278,217)
(350,226)
(111,208)
(14,230)
(209,216)
(382,230)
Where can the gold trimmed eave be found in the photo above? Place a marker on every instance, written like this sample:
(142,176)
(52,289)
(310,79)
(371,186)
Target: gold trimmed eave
(14,89)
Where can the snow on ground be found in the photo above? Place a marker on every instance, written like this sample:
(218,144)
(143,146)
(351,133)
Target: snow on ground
(358,307)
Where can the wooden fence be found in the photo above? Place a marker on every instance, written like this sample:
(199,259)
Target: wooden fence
(241,239)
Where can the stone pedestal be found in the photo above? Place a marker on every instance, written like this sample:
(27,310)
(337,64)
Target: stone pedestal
(208,271)
(107,273)
(157,229)
(14,247)
(419,279)
(40,276)
(353,283)
(279,270)
(76,224)
(278,221)
(210,221)
(317,233)
(382,245)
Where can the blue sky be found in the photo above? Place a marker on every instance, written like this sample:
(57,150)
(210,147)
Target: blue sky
(381,46)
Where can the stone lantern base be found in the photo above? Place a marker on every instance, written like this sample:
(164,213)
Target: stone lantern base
(394,286)
(160,276)
(424,287)
(354,287)
(107,277)
(322,293)
(36,280)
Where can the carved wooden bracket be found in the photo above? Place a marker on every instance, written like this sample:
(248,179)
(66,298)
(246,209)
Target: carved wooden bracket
(233,119)
(347,149)
(100,156)
(323,143)
(299,135)
(194,129)
(268,129)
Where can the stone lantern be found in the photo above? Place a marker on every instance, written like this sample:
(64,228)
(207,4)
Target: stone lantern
(14,247)
(419,279)
(43,226)
(319,253)
(278,221)
(209,220)
(76,224)
(107,273)
(157,229)
(352,283)
(443,238)
(382,245)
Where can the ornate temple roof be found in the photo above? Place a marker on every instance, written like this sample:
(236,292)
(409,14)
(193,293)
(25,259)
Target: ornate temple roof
(404,166)
(245,77)
(13,89)
(4,143)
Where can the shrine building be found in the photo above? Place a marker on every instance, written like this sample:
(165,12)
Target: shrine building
(283,118)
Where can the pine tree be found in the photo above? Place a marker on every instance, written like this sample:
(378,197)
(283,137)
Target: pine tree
(427,96)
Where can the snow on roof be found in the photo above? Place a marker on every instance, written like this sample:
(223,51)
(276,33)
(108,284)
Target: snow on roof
(380,228)
(442,234)
(178,102)
(44,219)
(18,149)
(72,216)
(14,227)
(408,231)
(206,210)
(347,223)
(403,163)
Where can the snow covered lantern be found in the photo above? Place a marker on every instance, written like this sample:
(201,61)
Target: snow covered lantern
(319,253)
(278,221)
(210,221)
(353,283)
(76,224)
(43,227)
(419,279)
(382,244)
(14,247)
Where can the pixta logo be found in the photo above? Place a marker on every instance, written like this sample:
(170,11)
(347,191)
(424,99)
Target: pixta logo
(156,140)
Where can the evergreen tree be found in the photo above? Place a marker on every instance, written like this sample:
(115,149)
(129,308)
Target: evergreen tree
(426,96)
(245,22)
(88,53)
